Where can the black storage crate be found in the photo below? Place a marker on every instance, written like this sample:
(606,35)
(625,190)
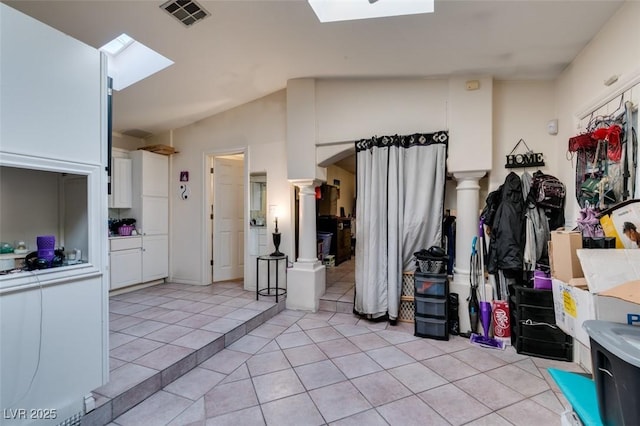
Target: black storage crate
(533,297)
(431,285)
(431,307)
(544,349)
(543,331)
(536,314)
(432,328)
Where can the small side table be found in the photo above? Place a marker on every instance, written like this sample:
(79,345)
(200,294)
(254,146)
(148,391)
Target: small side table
(270,291)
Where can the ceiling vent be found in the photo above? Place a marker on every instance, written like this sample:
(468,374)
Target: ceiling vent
(137,133)
(186,11)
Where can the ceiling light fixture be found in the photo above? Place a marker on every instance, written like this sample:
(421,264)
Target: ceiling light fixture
(348,10)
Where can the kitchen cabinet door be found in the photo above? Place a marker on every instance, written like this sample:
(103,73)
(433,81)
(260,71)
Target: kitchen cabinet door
(155,257)
(151,173)
(154,219)
(125,267)
(121,181)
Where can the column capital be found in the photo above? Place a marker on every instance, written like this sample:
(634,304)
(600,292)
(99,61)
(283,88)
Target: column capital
(469,175)
(300,183)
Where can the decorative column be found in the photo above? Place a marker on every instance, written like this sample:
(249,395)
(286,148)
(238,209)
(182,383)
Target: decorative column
(306,280)
(467,222)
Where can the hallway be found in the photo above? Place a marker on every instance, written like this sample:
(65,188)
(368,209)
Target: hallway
(297,368)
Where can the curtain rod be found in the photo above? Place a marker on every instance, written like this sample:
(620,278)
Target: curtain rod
(335,143)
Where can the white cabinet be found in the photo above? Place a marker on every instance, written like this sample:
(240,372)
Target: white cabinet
(155,257)
(152,173)
(153,217)
(121,191)
(150,191)
(125,261)
(151,210)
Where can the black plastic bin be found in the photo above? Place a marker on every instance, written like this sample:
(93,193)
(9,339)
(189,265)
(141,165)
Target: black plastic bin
(615,357)
(431,285)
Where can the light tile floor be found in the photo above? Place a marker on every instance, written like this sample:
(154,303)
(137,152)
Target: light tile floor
(328,367)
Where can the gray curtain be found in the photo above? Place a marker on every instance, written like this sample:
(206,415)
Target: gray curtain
(400,183)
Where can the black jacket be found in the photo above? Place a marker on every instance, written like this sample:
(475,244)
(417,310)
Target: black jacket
(508,232)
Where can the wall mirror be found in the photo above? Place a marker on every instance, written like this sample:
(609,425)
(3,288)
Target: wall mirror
(258,203)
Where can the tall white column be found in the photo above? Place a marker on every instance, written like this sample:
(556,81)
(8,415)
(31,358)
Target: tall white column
(467,223)
(307,246)
(307,279)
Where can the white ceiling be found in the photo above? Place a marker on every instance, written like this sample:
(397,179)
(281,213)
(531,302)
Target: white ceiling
(248,49)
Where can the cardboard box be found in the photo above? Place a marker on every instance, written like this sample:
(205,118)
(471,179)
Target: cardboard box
(572,307)
(620,304)
(563,246)
(613,279)
(605,268)
(501,321)
(612,293)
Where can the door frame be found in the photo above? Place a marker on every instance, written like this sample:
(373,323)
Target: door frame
(207,200)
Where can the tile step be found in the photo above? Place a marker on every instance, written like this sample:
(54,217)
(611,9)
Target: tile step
(108,409)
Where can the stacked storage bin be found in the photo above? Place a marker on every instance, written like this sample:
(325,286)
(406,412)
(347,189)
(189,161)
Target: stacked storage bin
(535,329)
(431,299)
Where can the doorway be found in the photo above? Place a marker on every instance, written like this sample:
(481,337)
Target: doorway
(226,213)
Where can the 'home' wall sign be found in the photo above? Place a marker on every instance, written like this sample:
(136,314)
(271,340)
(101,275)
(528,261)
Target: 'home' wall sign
(528,159)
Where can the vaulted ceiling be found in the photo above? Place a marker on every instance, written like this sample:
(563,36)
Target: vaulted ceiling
(247,49)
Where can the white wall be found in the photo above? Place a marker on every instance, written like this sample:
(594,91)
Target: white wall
(614,51)
(258,128)
(127,142)
(470,125)
(348,110)
(301,129)
(521,110)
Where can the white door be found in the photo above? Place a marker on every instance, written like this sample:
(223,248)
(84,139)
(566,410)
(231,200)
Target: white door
(228,219)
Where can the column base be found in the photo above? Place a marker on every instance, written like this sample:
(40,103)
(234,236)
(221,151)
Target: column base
(460,285)
(306,282)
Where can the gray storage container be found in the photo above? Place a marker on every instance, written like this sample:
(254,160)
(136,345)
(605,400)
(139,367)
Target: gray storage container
(615,358)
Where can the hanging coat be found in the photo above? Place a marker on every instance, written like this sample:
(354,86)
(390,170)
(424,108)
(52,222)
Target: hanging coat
(507,234)
(537,232)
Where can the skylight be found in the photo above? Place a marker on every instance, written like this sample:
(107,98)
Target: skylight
(117,45)
(131,61)
(347,10)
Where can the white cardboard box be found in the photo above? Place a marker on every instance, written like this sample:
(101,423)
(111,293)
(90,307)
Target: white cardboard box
(620,304)
(607,268)
(613,293)
(572,307)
